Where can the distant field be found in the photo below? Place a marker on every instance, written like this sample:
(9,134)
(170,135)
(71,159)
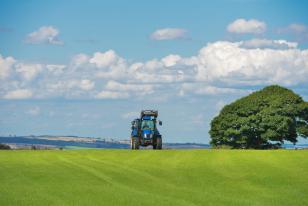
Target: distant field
(147,177)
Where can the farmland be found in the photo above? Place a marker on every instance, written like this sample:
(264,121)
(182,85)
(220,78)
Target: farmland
(146,177)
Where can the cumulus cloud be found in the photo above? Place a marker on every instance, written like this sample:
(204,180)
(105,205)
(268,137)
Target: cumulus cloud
(243,26)
(6,66)
(87,84)
(18,94)
(55,69)
(169,34)
(229,63)
(105,59)
(268,43)
(44,35)
(118,70)
(171,60)
(79,60)
(219,68)
(28,71)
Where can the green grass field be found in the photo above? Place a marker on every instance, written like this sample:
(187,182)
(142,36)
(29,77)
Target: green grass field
(168,177)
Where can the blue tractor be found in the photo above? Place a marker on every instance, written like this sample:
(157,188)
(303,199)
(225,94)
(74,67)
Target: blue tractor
(145,132)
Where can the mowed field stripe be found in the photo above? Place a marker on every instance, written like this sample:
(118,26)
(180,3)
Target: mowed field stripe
(167,177)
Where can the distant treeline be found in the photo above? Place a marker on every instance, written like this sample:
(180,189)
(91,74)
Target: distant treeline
(60,143)
(4,146)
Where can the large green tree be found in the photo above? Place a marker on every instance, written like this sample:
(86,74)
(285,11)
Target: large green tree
(263,119)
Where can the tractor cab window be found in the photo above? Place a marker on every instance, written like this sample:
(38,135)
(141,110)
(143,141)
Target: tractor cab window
(147,124)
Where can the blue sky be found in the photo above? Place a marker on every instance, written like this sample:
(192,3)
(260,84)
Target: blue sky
(88,67)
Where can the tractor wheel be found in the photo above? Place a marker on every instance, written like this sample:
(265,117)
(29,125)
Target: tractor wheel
(134,143)
(158,144)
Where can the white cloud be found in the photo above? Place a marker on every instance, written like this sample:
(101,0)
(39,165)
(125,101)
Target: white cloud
(105,59)
(242,26)
(219,68)
(28,71)
(18,94)
(153,65)
(44,35)
(169,34)
(268,43)
(55,69)
(118,70)
(79,60)
(229,63)
(171,60)
(87,84)
(6,66)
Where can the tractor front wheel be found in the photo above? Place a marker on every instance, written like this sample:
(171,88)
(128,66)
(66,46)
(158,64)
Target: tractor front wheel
(134,143)
(158,144)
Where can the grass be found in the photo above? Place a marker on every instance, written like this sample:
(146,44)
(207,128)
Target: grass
(168,177)
(77,147)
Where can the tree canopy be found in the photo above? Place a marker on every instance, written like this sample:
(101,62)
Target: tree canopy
(263,119)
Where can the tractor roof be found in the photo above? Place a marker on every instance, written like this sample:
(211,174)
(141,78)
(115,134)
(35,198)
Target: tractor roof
(153,113)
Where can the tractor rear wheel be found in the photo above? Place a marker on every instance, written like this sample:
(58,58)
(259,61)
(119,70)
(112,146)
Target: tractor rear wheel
(134,143)
(154,145)
(158,144)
